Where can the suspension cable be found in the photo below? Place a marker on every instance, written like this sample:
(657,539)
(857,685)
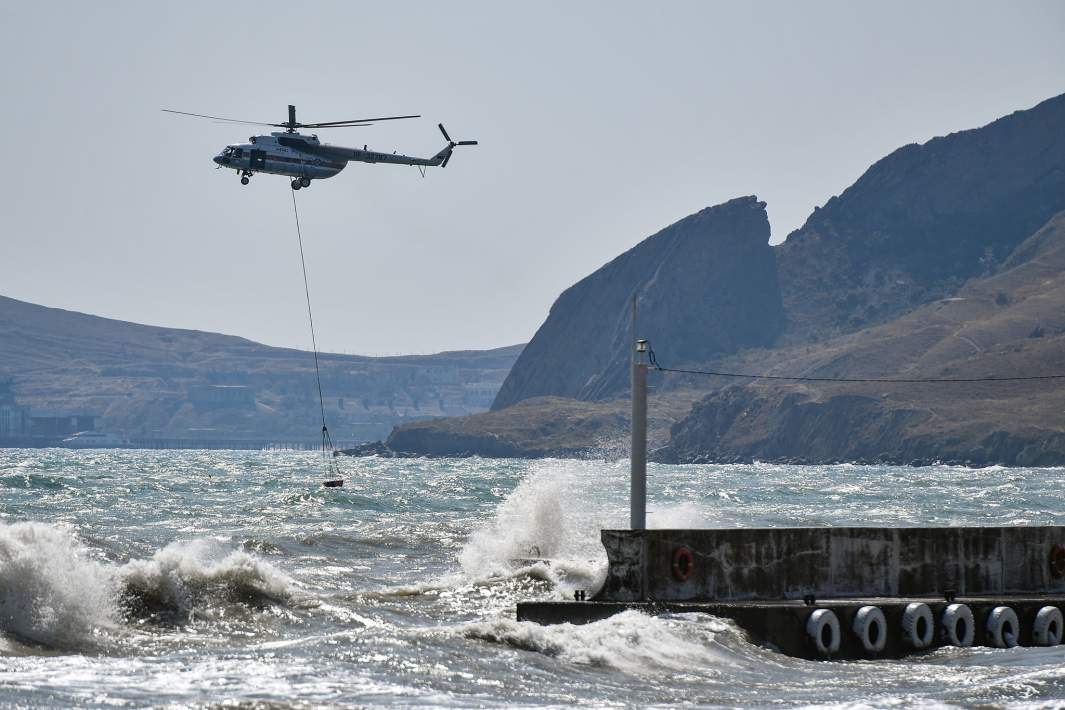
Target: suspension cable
(876,380)
(327,441)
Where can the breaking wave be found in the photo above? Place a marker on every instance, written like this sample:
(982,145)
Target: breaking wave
(631,642)
(185,576)
(51,591)
(55,592)
(550,524)
(542,529)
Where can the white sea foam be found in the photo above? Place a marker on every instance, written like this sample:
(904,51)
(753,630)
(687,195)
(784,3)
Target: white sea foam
(52,591)
(631,642)
(182,574)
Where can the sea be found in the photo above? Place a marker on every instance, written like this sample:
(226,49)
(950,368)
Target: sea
(234,579)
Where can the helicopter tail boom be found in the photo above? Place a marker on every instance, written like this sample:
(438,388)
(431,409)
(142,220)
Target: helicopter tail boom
(442,157)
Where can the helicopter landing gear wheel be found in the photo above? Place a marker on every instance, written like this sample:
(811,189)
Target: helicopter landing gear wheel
(296,184)
(244,180)
(305,182)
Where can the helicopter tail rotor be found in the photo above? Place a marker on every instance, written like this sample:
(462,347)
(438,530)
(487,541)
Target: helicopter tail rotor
(450,144)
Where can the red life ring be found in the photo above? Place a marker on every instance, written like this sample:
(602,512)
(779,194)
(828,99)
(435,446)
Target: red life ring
(1057,561)
(683,562)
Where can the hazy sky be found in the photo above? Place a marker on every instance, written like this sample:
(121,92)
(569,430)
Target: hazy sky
(599,123)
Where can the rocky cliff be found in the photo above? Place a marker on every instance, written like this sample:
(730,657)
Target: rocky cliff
(706,285)
(923,220)
(1009,324)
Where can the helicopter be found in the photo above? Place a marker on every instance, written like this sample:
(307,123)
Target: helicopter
(304,158)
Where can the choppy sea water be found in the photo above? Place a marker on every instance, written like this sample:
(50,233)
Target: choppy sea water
(233,579)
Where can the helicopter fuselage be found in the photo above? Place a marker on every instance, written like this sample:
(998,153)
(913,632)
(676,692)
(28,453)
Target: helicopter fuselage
(265,155)
(304,157)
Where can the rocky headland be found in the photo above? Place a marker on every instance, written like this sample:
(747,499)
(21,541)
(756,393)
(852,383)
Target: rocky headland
(707,285)
(943,260)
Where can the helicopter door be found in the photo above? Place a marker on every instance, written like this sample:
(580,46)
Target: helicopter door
(258,159)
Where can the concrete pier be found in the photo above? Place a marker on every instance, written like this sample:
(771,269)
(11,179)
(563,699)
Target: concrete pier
(791,563)
(782,625)
(772,581)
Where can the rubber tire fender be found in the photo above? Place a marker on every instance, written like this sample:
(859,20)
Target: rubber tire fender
(954,615)
(912,617)
(1003,627)
(870,627)
(816,624)
(1046,631)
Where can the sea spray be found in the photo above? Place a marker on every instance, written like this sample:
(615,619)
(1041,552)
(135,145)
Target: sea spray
(51,591)
(556,513)
(553,514)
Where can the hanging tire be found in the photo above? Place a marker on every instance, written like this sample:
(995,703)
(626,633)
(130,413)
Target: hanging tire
(1003,628)
(1046,631)
(870,627)
(918,625)
(958,625)
(305,182)
(823,629)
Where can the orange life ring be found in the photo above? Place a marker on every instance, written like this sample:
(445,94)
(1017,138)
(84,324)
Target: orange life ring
(1057,561)
(683,562)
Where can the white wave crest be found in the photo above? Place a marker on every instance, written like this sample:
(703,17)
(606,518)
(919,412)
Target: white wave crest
(51,591)
(631,642)
(179,576)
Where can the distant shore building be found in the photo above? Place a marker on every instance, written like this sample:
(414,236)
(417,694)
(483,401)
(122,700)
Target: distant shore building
(18,422)
(14,418)
(51,425)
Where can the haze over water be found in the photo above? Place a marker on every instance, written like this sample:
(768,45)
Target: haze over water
(194,578)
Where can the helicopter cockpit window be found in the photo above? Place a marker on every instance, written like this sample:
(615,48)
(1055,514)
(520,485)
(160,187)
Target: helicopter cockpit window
(228,151)
(238,152)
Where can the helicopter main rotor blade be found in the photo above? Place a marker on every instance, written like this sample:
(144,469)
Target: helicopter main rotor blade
(220,118)
(338,124)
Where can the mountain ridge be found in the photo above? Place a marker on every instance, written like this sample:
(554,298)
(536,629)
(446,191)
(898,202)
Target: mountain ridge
(142,379)
(942,258)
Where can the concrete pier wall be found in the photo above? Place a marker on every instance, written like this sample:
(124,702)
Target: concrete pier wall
(782,625)
(773,564)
